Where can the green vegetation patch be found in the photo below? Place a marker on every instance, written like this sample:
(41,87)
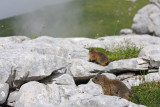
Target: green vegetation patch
(107,17)
(97,18)
(148,93)
(121,52)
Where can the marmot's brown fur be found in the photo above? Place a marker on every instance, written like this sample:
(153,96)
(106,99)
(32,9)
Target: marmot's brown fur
(113,87)
(98,57)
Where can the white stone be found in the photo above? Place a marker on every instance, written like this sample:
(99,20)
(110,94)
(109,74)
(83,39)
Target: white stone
(134,64)
(125,31)
(137,80)
(11,98)
(146,21)
(152,55)
(4,90)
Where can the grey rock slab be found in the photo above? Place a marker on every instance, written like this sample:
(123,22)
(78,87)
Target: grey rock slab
(125,76)
(87,42)
(56,46)
(145,21)
(126,31)
(152,55)
(152,77)
(137,80)
(64,47)
(152,70)
(109,75)
(156,2)
(59,79)
(90,88)
(4,90)
(13,39)
(24,60)
(33,66)
(34,94)
(113,42)
(82,68)
(134,64)
(98,101)
(12,98)
(133,81)
(67,91)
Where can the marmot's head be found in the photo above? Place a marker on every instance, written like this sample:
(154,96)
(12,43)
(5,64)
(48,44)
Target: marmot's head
(99,79)
(92,50)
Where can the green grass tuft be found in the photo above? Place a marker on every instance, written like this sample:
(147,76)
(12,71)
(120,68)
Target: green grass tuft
(148,93)
(121,52)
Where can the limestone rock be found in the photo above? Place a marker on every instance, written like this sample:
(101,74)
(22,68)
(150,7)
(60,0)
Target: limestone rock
(134,64)
(25,60)
(125,31)
(90,88)
(152,77)
(109,75)
(67,91)
(13,39)
(82,68)
(4,90)
(137,80)
(59,79)
(156,2)
(113,42)
(125,76)
(34,94)
(12,98)
(147,20)
(152,55)
(29,66)
(87,100)
(152,70)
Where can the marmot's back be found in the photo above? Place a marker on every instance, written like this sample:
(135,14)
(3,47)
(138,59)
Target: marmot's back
(98,57)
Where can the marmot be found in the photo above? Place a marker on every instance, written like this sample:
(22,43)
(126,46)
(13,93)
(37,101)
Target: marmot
(114,87)
(98,57)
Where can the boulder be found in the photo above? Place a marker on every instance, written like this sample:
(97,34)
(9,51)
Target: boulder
(59,79)
(134,64)
(86,100)
(152,77)
(156,2)
(66,92)
(90,88)
(34,94)
(137,80)
(108,42)
(113,42)
(4,90)
(125,76)
(12,98)
(152,55)
(13,39)
(152,70)
(147,20)
(19,68)
(126,31)
(25,60)
(81,68)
